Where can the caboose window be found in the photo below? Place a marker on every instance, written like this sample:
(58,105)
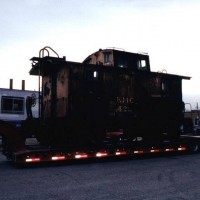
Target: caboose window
(164,86)
(91,75)
(106,57)
(12,105)
(95,74)
(142,64)
(121,62)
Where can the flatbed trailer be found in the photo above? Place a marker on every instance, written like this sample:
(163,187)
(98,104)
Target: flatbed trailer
(40,154)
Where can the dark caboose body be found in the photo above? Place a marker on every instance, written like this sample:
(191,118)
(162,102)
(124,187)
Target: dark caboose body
(112,94)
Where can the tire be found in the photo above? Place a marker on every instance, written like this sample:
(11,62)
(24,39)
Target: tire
(194,148)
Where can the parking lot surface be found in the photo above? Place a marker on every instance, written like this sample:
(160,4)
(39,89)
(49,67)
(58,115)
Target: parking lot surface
(147,178)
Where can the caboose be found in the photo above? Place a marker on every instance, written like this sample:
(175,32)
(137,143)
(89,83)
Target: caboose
(112,94)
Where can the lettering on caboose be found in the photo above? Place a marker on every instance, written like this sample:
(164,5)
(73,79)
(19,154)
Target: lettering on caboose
(121,105)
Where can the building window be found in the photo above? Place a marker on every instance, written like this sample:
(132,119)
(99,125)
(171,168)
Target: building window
(12,105)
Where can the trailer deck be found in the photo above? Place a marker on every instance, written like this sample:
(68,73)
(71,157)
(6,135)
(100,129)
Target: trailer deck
(39,153)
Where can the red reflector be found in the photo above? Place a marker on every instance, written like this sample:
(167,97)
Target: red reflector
(101,154)
(138,152)
(120,153)
(32,159)
(79,156)
(169,150)
(58,158)
(181,148)
(155,150)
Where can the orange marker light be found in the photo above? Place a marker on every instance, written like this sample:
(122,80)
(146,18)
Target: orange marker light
(32,160)
(101,154)
(58,158)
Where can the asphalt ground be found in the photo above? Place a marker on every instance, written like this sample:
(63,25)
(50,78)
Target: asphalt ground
(168,177)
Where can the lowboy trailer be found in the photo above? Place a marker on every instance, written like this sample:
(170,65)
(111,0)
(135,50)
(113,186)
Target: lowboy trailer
(49,154)
(111,104)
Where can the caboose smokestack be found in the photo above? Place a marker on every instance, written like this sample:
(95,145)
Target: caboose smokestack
(23,84)
(11,84)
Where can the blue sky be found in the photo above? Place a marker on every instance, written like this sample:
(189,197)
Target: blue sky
(168,30)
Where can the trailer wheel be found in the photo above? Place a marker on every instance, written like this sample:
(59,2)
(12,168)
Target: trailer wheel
(194,147)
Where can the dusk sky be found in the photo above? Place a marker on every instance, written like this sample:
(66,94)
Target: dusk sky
(168,30)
